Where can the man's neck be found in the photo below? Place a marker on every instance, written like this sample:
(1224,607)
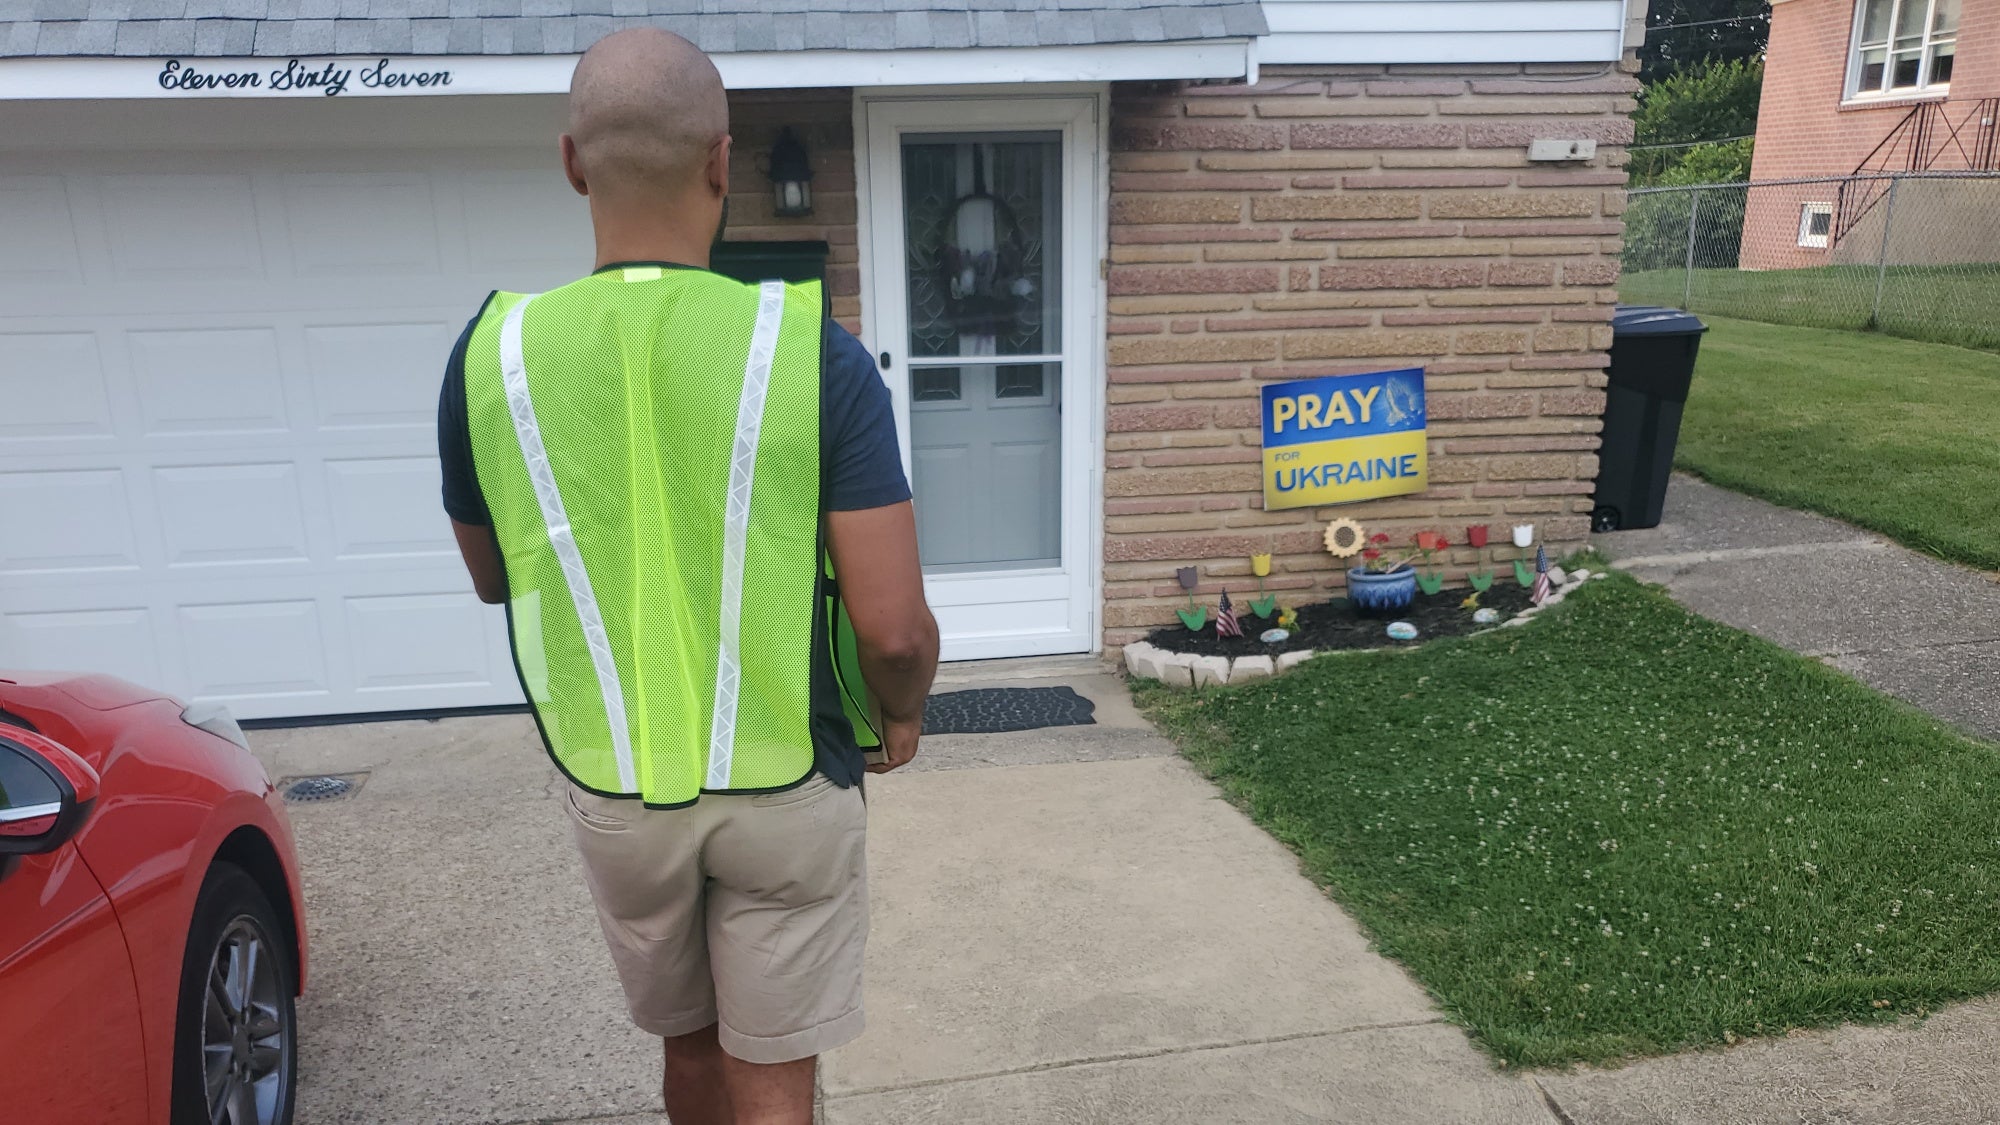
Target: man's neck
(648,237)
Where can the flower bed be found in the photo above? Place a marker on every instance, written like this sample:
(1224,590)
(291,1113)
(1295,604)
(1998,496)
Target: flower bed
(1182,657)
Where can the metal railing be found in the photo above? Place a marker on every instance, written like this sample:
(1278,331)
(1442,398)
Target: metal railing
(1933,136)
(1912,254)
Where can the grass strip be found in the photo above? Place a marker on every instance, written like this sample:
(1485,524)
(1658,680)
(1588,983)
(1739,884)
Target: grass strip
(1624,829)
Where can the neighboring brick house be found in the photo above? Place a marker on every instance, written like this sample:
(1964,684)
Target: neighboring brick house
(1081,238)
(1871,87)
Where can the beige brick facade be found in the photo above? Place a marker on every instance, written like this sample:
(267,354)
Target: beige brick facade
(1338,220)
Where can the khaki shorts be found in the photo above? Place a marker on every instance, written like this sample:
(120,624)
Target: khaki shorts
(750,911)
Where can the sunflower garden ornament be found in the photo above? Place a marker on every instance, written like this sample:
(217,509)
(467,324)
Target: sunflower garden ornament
(1344,538)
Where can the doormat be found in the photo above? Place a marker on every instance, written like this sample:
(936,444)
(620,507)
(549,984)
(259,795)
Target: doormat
(998,710)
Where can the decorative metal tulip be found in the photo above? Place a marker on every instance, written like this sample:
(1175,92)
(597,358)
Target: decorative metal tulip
(1194,616)
(1263,603)
(1429,545)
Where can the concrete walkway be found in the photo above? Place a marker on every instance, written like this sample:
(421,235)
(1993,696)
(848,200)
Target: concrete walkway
(1922,630)
(1069,927)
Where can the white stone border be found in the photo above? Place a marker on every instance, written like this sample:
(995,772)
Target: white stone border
(1145,661)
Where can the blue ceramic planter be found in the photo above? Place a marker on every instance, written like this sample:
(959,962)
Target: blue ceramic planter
(1379,593)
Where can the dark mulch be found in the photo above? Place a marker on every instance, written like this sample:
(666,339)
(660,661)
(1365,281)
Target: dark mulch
(1335,624)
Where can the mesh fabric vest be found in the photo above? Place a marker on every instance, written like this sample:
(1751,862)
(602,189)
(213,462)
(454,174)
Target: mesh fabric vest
(647,442)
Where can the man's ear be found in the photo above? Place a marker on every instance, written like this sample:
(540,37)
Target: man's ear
(573,167)
(717,171)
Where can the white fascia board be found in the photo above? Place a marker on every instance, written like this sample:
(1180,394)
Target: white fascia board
(1442,47)
(350,76)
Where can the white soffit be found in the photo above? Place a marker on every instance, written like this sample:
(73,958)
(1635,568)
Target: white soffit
(413,76)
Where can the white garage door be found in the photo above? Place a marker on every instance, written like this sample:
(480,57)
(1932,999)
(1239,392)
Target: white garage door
(218,389)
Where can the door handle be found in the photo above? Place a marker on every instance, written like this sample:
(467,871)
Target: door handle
(883,360)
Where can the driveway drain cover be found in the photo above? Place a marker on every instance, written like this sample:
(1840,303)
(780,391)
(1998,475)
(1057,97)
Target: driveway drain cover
(325,787)
(996,710)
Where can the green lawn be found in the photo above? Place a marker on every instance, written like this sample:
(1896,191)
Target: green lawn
(1895,435)
(1945,304)
(1624,829)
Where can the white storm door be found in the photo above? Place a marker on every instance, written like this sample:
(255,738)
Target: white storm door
(982,310)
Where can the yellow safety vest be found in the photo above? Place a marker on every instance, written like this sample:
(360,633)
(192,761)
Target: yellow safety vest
(647,441)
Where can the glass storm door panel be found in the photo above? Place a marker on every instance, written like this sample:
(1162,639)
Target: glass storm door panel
(983,257)
(984,227)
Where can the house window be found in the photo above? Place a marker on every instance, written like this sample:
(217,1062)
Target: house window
(1815,224)
(1902,46)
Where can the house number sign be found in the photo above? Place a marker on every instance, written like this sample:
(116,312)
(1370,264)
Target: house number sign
(330,77)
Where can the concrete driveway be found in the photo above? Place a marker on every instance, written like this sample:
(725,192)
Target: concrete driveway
(1069,926)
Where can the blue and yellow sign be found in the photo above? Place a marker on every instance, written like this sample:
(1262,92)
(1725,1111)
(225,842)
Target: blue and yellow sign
(1342,438)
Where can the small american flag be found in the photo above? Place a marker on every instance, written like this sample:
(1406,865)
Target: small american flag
(1539,592)
(1226,624)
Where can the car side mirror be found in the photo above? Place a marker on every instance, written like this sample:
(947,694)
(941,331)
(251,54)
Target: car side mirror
(46,793)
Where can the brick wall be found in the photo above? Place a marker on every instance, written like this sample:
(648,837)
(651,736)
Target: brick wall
(823,121)
(1800,128)
(1804,130)
(1349,219)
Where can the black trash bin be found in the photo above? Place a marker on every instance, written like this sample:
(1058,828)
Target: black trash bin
(1652,363)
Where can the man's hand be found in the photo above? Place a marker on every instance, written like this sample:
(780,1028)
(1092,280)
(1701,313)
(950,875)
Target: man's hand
(899,744)
(875,561)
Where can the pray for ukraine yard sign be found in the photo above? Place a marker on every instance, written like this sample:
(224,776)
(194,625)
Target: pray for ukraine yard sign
(1341,438)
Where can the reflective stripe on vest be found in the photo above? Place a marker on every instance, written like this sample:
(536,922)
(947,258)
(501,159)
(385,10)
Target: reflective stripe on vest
(648,445)
(736,528)
(521,407)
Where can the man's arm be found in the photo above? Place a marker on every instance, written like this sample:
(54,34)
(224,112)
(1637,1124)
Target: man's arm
(462,499)
(875,561)
(482,561)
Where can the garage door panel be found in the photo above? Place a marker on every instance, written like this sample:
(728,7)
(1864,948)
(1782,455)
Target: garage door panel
(379,375)
(182,227)
(519,223)
(38,243)
(51,386)
(368,224)
(403,642)
(208,380)
(369,498)
(118,640)
(66,520)
(250,649)
(215,514)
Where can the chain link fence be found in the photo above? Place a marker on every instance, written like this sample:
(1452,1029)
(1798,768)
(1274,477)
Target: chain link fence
(1911,254)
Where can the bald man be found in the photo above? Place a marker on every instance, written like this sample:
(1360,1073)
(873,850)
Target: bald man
(642,465)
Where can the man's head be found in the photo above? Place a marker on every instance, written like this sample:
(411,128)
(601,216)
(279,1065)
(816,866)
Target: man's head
(648,137)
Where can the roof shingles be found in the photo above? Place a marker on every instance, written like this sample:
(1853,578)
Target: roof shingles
(276,28)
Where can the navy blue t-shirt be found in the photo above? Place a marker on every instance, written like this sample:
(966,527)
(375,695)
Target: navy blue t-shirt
(860,468)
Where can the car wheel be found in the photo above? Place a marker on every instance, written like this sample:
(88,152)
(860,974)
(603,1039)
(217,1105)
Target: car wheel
(235,1035)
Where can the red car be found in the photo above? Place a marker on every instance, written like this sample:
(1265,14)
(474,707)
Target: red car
(151,939)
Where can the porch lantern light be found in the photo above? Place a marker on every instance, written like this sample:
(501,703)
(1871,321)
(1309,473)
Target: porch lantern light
(791,177)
